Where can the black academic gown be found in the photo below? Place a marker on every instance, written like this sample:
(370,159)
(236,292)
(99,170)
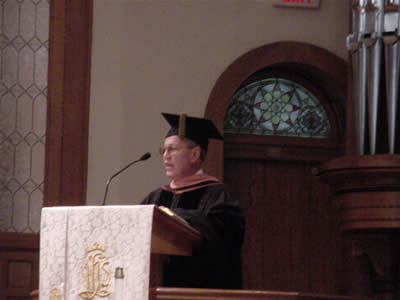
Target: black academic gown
(208,208)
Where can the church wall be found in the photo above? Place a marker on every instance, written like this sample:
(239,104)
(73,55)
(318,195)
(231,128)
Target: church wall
(165,56)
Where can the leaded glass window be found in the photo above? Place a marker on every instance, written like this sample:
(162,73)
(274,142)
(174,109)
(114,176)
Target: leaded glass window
(24,38)
(276,107)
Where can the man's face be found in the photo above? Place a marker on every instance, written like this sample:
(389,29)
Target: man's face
(179,159)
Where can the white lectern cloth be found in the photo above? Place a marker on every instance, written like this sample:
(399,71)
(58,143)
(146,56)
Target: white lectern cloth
(81,246)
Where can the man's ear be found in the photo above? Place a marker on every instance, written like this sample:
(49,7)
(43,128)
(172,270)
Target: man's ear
(196,153)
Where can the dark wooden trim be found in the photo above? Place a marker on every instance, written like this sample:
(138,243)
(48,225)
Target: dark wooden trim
(19,241)
(329,70)
(279,148)
(210,294)
(20,293)
(279,140)
(68,102)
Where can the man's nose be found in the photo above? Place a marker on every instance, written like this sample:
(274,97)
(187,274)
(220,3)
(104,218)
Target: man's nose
(166,155)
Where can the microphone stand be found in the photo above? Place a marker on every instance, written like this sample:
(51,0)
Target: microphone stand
(144,157)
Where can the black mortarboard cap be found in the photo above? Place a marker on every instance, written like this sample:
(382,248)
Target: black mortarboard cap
(196,129)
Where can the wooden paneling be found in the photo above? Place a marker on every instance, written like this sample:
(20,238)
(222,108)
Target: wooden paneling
(292,240)
(20,271)
(19,265)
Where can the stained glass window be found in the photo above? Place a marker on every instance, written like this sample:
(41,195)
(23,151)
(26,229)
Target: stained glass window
(276,107)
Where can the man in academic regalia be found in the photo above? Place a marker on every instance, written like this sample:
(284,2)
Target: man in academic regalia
(204,203)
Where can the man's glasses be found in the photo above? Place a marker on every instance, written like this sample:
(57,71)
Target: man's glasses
(172,149)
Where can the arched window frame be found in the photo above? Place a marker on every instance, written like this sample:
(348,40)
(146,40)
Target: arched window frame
(295,148)
(317,69)
(289,73)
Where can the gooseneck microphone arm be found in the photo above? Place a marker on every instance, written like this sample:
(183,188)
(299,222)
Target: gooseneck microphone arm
(144,157)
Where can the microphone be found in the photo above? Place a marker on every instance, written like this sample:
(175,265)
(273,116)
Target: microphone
(144,157)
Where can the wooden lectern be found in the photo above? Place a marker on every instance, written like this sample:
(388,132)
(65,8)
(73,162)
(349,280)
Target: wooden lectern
(170,236)
(82,246)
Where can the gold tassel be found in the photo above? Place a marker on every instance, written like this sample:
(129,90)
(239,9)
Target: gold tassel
(182,125)
(35,295)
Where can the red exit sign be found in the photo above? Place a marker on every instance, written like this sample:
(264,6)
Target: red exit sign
(297,3)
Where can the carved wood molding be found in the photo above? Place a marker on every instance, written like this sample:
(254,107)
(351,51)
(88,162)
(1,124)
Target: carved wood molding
(328,71)
(367,189)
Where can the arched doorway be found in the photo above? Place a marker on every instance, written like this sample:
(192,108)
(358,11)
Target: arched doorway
(293,240)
